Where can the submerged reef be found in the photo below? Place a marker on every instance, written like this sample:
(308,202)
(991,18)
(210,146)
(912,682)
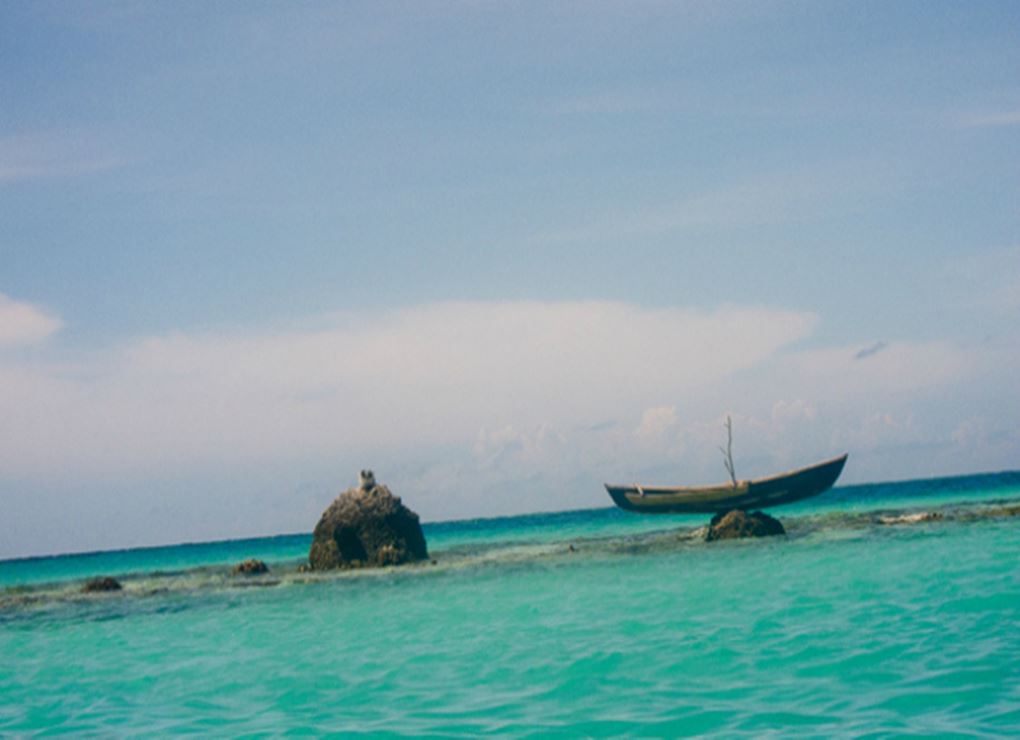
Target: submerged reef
(738,523)
(26,600)
(101,583)
(911,518)
(366,527)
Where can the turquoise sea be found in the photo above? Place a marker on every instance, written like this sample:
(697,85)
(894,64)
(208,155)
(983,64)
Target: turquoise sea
(887,609)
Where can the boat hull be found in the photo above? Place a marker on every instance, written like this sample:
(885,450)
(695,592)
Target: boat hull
(760,493)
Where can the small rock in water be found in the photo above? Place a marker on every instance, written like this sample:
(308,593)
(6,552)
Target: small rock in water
(101,583)
(738,523)
(251,567)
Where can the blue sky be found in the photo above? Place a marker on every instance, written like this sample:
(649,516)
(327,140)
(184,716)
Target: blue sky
(499,251)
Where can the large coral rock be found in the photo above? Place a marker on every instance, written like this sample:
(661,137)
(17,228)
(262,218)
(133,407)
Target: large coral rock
(738,523)
(366,527)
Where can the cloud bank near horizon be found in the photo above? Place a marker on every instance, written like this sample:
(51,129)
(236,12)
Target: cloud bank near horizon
(482,408)
(427,376)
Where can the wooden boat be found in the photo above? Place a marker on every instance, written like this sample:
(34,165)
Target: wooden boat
(759,493)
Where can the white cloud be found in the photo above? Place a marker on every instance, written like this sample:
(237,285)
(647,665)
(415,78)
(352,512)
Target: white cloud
(792,412)
(900,368)
(23,323)
(656,421)
(538,447)
(476,409)
(882,428)
(970,431)
(433,375)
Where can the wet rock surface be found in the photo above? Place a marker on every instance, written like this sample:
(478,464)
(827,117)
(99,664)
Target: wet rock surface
(101,583)
(251,567)
(737,524)
(366,527)
(917,517)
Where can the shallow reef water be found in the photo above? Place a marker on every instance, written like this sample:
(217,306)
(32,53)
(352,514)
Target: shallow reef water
(889,608)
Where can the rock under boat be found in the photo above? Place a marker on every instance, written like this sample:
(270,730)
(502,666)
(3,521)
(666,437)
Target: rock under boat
(783,488)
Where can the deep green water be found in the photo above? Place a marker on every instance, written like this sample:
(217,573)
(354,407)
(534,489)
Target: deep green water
(847,626)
